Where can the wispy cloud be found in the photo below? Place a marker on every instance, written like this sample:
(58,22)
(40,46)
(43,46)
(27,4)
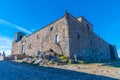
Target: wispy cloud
(14,26)
(6,42)
(5,45)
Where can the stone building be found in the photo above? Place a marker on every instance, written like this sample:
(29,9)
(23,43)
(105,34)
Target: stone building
(70,36)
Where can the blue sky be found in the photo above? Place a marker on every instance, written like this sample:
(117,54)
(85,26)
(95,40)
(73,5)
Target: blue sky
(30,15)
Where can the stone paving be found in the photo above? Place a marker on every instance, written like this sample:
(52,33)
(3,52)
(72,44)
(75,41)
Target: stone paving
(10,70)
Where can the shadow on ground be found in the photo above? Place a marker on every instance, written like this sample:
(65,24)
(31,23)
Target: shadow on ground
(20,71)
(112,64)
(106,63)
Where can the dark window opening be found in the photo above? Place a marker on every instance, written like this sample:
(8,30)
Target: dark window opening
(20,37)
(88,26)
(51,50)
(90,42)
(78,36)
(51,28)
(38,36)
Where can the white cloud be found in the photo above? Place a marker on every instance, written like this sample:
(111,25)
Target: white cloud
(14,25)
(5,45)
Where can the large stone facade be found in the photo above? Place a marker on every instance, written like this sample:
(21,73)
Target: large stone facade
(70,36)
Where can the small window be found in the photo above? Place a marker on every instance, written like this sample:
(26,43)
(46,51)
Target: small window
(23,48)
(30,46)
(21,37)
(88,26)
(57,38)
(38,36)
(51,50)
(78,36)
(51,28)
(90,42)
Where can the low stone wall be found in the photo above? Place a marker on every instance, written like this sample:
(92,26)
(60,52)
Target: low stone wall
(1,58)
(16,57)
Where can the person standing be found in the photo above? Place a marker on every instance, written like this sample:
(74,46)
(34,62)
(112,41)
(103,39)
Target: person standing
(3,55)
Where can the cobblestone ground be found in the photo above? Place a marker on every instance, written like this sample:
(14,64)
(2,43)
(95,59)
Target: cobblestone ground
(10,70)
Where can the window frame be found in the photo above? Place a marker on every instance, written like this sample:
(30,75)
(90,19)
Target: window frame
(57,38)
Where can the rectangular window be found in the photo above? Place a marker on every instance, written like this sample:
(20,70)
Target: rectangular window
(23,48)
(51,28)
(21,37)
(90,42)
(88,27)
(78,36)
(57,38)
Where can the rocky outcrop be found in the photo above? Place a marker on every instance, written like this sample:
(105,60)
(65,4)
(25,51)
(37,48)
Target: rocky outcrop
(46,58)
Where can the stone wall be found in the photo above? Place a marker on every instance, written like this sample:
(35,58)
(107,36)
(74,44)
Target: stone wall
(113,52)
(44,39)
(16,47)
(84,43)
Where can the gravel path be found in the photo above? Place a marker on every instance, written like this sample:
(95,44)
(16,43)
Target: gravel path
(18,71)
